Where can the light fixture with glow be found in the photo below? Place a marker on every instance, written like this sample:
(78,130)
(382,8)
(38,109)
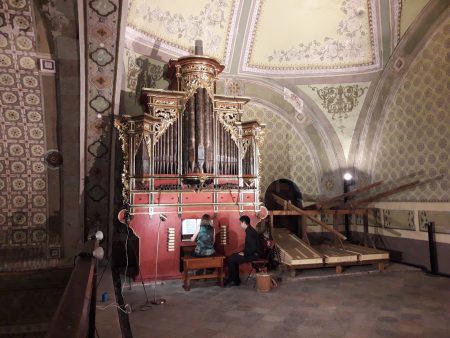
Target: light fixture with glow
(348,176)
(98,236)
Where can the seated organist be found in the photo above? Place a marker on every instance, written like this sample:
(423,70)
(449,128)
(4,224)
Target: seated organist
(251,252)
(204,238)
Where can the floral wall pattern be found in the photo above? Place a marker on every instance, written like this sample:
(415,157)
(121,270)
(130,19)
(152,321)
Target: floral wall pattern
(101,46)
(23,173)
(348,39)
(178,25)
(283,153)
(416,133)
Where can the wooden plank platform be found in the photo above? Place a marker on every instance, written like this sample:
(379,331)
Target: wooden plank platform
(334,255)
(293,250)
(365,253)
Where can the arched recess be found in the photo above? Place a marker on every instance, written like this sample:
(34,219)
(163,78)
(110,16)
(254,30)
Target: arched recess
(410,125)
(287,190)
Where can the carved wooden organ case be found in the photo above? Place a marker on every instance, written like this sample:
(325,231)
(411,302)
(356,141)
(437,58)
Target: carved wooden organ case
(190,139)
(187,155)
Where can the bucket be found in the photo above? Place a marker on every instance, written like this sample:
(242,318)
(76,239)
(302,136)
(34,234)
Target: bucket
(263,282)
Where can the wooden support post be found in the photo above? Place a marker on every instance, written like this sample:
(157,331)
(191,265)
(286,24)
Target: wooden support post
(381,266)
(271,223)
(338,269)
(280,201)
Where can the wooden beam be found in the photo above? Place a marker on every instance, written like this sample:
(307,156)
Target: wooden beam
(322,204)
(390,192)
(290,206)
(319,212)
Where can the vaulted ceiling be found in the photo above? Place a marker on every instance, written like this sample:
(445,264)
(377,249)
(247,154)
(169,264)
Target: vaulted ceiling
(268,37)
(290,56)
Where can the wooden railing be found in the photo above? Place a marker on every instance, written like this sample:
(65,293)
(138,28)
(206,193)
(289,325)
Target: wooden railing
(75,315)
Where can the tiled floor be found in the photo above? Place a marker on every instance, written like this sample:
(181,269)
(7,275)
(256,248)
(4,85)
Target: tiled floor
(400,302)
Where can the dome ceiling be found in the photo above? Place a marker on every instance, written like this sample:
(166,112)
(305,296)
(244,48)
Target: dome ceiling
(303,52)
(331,36)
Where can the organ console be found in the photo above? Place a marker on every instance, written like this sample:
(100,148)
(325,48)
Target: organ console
(189,154)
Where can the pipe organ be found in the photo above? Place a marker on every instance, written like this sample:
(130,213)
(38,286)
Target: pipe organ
(189,154)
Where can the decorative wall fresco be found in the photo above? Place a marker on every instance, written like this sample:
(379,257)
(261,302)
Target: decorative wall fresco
(441,221)
(23,173)
(345,41)
(140,71)
(283,153)
(178,24)
(399,219)
(103,19)
(341,105)
(416,133)
(297,103)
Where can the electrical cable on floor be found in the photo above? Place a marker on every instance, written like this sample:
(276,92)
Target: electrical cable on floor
(96,333)
(126,247)
(127,307)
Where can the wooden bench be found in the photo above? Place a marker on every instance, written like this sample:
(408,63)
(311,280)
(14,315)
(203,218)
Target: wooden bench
(195,263)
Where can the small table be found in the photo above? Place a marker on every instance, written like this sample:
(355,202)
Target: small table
(195,263)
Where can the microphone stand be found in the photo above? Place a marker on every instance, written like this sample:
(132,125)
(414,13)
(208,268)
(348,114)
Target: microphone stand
(160,300)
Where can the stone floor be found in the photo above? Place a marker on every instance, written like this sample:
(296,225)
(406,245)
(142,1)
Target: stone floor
(362,302)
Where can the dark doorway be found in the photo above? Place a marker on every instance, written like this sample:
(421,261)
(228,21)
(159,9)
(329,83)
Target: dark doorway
(287,190)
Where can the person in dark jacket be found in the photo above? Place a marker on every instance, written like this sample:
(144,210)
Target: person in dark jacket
(251,251)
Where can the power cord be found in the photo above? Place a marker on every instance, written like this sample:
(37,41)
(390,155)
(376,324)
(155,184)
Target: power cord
(127,223)
(126,307)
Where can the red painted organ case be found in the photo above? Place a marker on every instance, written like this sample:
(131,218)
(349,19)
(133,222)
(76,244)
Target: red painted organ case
(189,154)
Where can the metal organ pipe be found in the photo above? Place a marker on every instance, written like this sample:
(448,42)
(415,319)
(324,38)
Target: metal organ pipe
(208,133)
(185,140)
(199,130)
(171,150)
(191,127)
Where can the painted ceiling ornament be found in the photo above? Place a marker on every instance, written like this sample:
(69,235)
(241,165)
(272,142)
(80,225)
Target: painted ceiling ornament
(234,87)
(103,7)
(194,27)
(339,101)
(101,57)
(100,104)
(351,41)
(296,102)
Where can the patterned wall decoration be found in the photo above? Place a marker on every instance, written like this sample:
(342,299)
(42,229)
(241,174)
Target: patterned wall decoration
(234,87)
(140,71)
(297,103)
(346,40)
(102,20)
(399,219)
(283,153)
(416,133)
(177,24)
(23,174)
(441,221)
(341,105)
